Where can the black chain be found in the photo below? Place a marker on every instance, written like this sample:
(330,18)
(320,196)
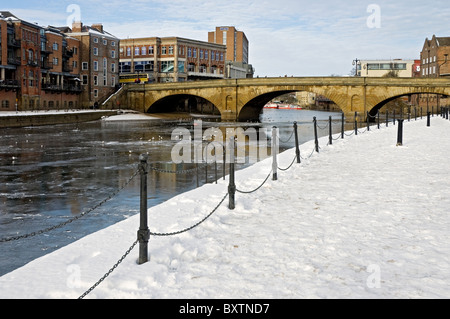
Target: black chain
(2,240)
(248,192)
(193,226)
(110,271)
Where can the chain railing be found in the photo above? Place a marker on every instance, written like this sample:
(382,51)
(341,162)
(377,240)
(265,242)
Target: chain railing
(42,231)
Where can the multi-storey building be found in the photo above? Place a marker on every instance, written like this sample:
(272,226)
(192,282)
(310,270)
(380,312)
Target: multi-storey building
(434,59)
(237,57)
(98,62)
(38,67)
(170,59)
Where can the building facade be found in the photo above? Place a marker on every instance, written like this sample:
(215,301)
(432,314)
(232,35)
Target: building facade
(237,57)
(38,67)
(379,68)
(98,62)
(434,59)
(170,59)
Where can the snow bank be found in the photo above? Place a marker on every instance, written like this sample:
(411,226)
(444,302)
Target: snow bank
(363,218)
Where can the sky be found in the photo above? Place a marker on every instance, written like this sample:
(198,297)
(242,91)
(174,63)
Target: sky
(286,37)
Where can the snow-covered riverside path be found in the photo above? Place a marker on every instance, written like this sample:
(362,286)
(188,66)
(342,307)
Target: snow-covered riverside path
(363,218)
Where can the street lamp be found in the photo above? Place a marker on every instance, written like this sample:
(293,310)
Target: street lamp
(355,62)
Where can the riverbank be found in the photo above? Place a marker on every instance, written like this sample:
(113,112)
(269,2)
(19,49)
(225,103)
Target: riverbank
(39,118)
(363,218)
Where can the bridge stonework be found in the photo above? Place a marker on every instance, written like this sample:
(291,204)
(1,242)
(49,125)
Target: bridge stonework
(243,99)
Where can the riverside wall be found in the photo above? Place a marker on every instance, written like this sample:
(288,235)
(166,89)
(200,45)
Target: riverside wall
(40,119)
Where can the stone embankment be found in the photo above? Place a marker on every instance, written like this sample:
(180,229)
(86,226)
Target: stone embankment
(21,119)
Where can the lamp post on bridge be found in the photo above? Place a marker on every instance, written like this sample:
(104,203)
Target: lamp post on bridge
(356,63)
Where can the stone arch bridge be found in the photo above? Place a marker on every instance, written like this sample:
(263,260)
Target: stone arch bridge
(243,99)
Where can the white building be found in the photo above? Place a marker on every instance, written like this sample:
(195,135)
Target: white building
(379,68)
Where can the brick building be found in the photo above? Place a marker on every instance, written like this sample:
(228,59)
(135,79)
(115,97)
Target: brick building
(98,62)
(434,59)
(237,58)
(170,59)
(38,68)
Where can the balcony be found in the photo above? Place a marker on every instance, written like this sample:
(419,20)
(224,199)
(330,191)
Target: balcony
(9,84)
(33,63)
(67,53)
(66,88)
(14,43)
(14,61)
(45,65)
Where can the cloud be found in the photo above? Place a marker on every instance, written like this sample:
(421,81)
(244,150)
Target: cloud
(287,37)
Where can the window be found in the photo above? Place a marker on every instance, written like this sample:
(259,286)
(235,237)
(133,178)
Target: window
(206,54)
(95,50)
(171,49)
(163,50)
(95,80)
(167,66)
(113,81)
(113,67)
(224,40)
(5,104)
(144,50)
(189,52)
(113,43)
(105,81)
(55,61)
(150,50)
(213,55)
(128,51)
(136,51)
(55,46)
(95,65)
(95,93)
(84,79)
(95,40)
(113,54)
(105,42)
(201,54)
(373,66)
(195,53)
(84,66)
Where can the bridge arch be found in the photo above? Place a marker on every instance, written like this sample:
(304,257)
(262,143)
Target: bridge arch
(183,103)
(376,104)
(257,98)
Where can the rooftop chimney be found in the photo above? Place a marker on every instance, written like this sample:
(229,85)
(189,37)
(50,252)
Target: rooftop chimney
(77,26)
(98,27)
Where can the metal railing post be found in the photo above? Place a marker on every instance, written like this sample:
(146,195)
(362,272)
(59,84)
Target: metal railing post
(330,131)
(400,133)
(297,148)
(316,141)
(231,185)
(143,234)
(274,153)
(342,125)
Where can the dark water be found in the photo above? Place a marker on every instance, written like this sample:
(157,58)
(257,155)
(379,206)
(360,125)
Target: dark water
(51,174)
